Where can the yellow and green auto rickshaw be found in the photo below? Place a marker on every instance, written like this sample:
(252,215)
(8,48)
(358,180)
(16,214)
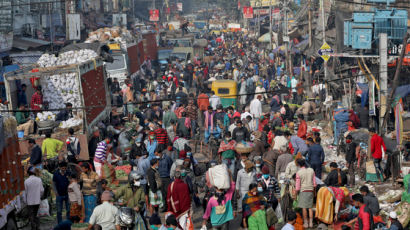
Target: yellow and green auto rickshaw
(227,91)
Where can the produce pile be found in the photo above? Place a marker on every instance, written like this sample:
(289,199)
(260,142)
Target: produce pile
(116,34)
(67,58)
(46,116)
(122,171)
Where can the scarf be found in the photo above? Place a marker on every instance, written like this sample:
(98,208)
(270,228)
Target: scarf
(207,121)
(251,204)
(226,145)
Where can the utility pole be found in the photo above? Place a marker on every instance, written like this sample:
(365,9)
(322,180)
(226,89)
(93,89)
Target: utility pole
(287,37)
(383,78)
(270,25)
(324,40)
(310,22)
(395,80)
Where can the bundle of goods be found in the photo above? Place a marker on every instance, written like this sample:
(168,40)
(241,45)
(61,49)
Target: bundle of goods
(66,58)
(116,34)
(244,147)
(72,122)
(218,176)
(46,116)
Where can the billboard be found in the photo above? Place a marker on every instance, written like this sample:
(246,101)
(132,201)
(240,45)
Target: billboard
(154,15)
(247,12)
(264,3)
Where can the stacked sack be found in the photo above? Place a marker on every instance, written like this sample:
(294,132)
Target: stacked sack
(116,34)
(60,89)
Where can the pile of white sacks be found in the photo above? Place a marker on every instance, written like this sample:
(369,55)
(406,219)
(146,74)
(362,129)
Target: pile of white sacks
(60,89)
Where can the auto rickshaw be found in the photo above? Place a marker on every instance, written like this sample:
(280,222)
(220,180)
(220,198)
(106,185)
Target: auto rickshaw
(227,91)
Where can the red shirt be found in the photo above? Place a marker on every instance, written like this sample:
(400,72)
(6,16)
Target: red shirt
(376,144)
(36,99)
(162,136)
(203,102)
(363,220)
(302,130)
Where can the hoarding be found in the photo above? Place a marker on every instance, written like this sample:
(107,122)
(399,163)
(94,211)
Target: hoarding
(263,3)
(247,12)
(154,15)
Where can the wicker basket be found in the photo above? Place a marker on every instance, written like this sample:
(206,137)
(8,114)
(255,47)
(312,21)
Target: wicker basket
(244,148)
(46,124)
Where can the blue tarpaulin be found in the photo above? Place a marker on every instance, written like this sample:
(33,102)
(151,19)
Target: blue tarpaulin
(402,91)
(365,93)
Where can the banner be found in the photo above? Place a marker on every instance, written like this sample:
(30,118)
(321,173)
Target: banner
(239,5)
(73,27)
(154,15)
(247,12)
(179,6)
(263,3)
(372,107)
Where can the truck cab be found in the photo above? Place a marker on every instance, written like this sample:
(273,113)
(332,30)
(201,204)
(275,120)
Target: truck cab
(164,58)
(119,68)
(183,54)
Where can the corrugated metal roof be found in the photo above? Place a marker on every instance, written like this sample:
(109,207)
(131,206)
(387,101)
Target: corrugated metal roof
(26,43)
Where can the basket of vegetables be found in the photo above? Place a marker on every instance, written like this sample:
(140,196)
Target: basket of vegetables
(244,147)
(79,226)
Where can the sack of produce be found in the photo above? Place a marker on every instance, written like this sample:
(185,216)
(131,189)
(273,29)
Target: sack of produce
(219,176)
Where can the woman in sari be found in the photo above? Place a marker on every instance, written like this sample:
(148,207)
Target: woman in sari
(253,207)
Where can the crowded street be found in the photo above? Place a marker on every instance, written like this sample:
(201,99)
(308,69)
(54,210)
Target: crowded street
(256,115)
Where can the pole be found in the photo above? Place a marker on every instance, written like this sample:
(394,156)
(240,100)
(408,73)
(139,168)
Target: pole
(51,27)
(310,23)
(383,78)
(324,40)
(395,81)
(287,37)
(270,25)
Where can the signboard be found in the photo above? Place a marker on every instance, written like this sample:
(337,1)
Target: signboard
(372,99)
(263,3)
(276,14)
(179,6)
(6,16)
(119,19)
(154,15)
(325,51)
(247,12)
(73,27)
(6,41)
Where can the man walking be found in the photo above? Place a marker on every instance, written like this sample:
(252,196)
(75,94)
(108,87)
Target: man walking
(315,156)
(377,147)
(34,190)
(352,151)
(256,110)
(60,185)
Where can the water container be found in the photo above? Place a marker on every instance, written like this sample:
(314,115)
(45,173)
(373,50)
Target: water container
(20,134)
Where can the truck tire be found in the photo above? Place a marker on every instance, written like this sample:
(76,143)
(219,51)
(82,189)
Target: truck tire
(11,224)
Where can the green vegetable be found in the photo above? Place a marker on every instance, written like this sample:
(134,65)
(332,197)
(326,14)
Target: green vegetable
(79,225)
(120,174)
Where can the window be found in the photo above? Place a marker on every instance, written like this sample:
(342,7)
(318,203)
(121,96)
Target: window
(223,91)
(119,63)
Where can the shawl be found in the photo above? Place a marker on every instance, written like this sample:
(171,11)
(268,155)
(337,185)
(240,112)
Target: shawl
(251,204)
(225,146)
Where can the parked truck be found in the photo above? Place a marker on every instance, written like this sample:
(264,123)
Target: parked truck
(12,197)
(125,62)
(93,93)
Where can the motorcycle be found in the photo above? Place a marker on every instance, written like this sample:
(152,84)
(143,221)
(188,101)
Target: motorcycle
(128,219)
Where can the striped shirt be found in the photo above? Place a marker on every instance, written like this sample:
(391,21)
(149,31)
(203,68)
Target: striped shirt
(162,136)
(100,151)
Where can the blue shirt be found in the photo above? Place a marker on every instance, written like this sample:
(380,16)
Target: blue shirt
(164,167)
(61,182)
(298,144)
(143,165)
(315,155)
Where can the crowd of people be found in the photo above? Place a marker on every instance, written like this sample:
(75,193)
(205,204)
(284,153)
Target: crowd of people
(158,118)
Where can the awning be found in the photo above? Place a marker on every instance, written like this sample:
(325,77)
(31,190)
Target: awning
(27,43)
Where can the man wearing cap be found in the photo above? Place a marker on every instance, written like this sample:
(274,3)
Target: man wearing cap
(245,177)
(271,184)
(104,214)
(34,190)
(394,222)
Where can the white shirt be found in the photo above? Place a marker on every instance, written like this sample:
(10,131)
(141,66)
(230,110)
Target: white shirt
(280,142)
(293,83)
(214,101)
(256,108)
(288,227)
(245,114)
(34,189)
(104,215)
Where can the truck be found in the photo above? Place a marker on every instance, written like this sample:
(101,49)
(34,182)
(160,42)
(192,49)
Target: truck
(125,62)
(12,198)
(189,53)
(92,90)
